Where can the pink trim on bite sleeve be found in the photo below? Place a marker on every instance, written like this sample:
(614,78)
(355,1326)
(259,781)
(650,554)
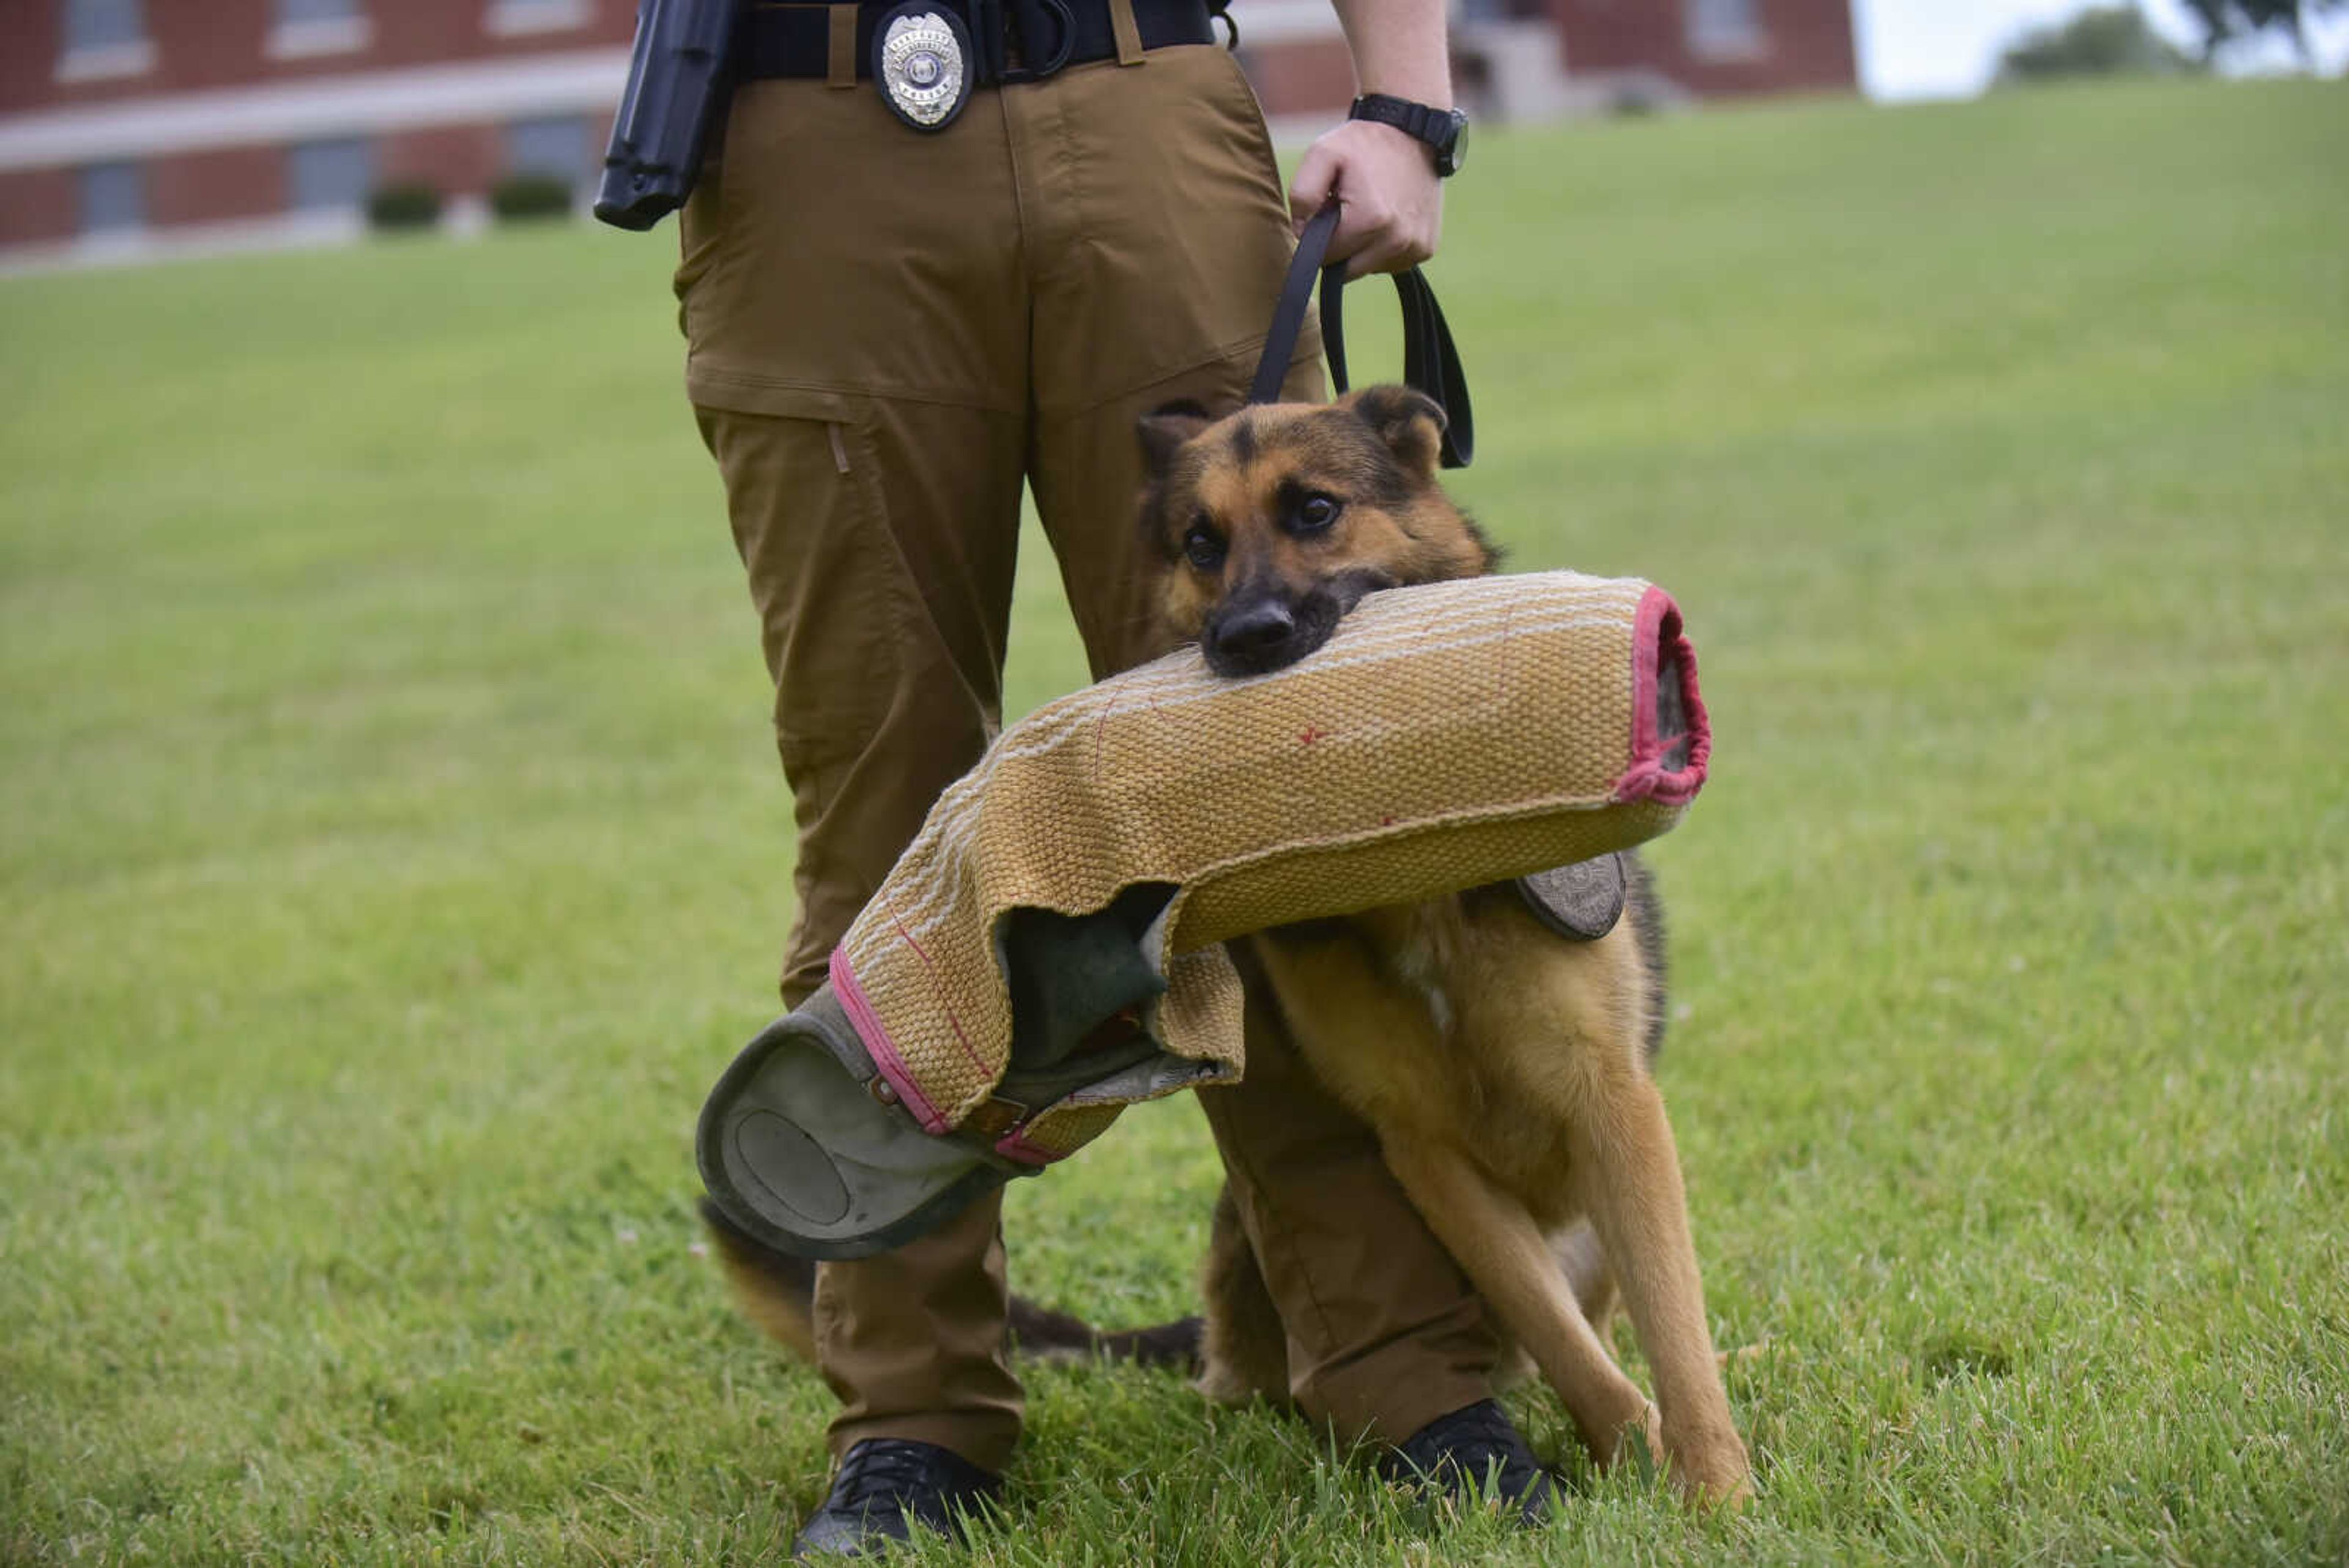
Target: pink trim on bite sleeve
(1657,643)
(877,1042)
(1011,1145)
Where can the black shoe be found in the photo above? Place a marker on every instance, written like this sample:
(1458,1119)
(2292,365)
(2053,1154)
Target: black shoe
(1470,1454)
(884,1487)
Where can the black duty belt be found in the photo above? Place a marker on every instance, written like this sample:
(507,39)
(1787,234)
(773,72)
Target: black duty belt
(1012,40)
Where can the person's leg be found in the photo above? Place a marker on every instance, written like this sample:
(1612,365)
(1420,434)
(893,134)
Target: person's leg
(1384,1332)
(878,538)
(857,357)
(1186,241)
(1152,191)
(884,693)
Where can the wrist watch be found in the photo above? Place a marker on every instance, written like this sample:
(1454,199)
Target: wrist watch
(1446,130)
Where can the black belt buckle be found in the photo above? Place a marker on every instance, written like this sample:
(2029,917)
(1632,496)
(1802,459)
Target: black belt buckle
(1036,21)
(923,63)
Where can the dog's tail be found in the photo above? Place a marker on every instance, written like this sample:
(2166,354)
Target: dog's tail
(777,1293)
(774,1290)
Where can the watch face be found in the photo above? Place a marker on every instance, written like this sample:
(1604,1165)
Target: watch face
(1455,155)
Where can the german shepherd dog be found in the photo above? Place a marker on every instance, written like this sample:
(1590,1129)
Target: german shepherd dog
(1504,1068)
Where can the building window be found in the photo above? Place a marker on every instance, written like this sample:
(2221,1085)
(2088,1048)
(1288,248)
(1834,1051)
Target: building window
(304,28)
(105,39)
(332,176)
(556,146)
(113,199)
(104,24)
(515,18)
(1724,29)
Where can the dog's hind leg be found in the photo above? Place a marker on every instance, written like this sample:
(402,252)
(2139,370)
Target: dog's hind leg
(1628,1177)
(1512,1264)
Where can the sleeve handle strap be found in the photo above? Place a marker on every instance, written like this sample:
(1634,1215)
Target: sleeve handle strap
(1429,362)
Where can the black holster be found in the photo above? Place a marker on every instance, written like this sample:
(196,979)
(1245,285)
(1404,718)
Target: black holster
(680,77)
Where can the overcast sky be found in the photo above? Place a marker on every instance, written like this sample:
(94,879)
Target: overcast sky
(1947,49)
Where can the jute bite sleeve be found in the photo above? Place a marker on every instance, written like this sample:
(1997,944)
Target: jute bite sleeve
(1445,737)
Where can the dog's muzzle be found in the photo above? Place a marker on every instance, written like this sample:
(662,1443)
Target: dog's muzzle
(1260,629)
(1266,634)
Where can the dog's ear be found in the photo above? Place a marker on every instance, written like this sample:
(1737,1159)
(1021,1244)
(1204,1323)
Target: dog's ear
(1408,421)
(1166,427)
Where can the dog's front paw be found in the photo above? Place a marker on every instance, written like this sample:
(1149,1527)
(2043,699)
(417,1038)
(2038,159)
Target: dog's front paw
(1711,1470)
(1639,1443)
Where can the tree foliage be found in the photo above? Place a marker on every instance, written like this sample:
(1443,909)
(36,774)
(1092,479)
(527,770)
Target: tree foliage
(2103,40)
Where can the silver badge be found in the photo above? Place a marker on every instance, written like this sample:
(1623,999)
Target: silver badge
(920,62)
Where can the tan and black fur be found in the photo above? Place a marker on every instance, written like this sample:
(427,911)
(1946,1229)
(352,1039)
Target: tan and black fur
(1504,1068)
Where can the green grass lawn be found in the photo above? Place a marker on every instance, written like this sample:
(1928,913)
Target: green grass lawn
(393,854)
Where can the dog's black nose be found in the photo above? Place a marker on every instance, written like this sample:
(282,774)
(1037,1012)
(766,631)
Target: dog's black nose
(1252,639)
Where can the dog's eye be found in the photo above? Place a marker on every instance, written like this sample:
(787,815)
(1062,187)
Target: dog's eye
(1316,510)
(1203,547)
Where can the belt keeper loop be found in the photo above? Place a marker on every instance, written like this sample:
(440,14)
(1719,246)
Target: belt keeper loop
(1128,31)
(841,71)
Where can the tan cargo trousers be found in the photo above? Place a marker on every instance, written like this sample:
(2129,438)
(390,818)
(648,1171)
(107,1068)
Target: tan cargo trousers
(888,333)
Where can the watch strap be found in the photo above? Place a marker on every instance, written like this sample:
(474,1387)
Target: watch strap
(1437,129)
(1416,120)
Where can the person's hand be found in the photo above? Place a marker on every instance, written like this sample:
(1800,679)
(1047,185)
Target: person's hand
(1390,201)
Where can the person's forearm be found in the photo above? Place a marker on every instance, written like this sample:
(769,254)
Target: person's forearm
(1382,177)
(1399,47)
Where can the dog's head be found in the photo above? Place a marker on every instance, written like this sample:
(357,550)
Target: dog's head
(1273,522)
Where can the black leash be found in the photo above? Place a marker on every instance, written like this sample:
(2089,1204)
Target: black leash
(1429,362)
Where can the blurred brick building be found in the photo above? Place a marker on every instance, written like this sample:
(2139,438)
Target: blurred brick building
(124,123)
(1538,60)
(276,117)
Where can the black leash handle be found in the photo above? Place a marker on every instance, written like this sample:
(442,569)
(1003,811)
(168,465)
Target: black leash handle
(1431,363)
